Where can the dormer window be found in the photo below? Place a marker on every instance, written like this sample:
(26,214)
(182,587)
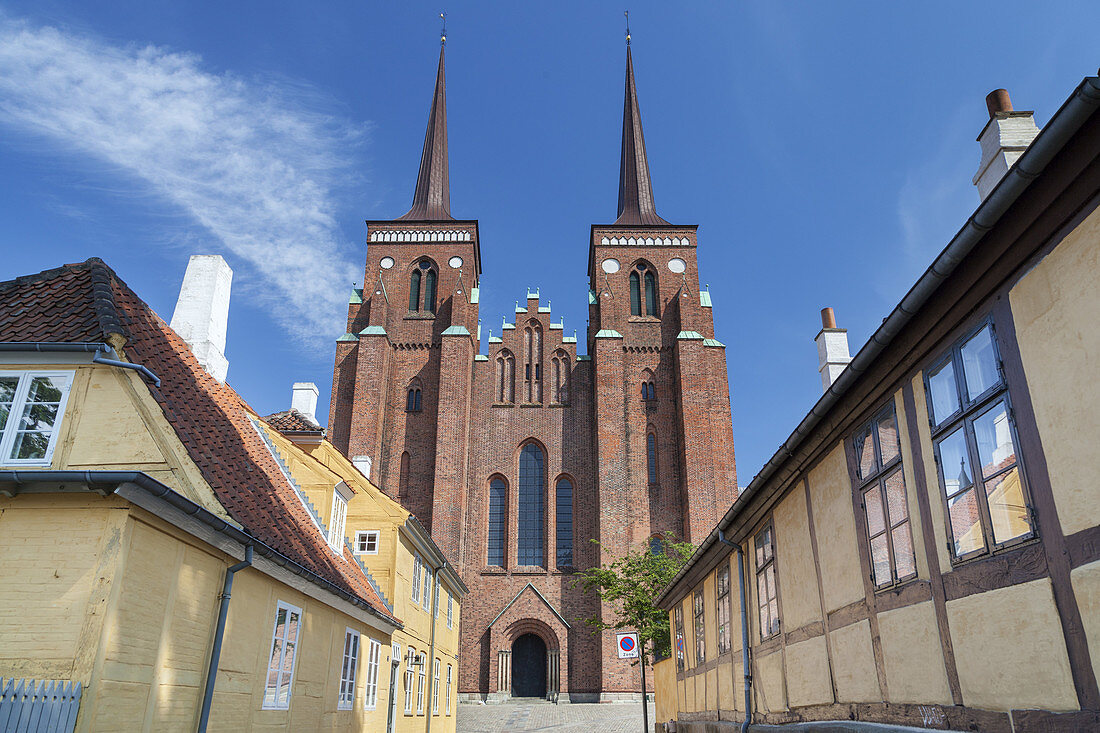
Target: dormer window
(31,407)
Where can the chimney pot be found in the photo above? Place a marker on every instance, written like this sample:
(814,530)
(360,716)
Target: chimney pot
(304,399)
(201,317)
(828,318)
(998,101)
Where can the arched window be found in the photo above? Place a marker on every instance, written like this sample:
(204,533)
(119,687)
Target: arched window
(412,400)
(559,387)
(414,291)
(649,389)
(530,514)
(532,362)
(429,290)
(635,295)
(656,545)
(650,293)
(564,505)
(498,509)
(403,478)
(651,455)
(505,388)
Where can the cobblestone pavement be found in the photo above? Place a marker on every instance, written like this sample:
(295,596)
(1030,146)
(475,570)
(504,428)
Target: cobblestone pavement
(543,716)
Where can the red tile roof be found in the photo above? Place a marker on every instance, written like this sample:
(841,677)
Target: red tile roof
(293,422)
(88,302)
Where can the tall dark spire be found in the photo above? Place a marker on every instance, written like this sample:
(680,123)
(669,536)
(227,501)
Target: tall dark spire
(635,190)
(432,198)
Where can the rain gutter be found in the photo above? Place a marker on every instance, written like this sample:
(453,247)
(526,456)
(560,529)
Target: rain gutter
(98,349)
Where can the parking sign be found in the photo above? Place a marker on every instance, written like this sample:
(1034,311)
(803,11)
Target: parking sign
(628,645)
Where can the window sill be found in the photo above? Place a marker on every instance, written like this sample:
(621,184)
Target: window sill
(531,404)
(504,404)
(530,570)
(418,316)
(996,552)
(494,570)
(558,404)
(644,319)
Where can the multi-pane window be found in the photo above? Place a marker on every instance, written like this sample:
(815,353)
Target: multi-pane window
(31,407)
(448,700)
(450,611)
(565,523)
(678,616)
(722,604)
(337,521)
(435,601)
(643,276)
(410,676)
(435,687)
(697,607)
(421,677)
(973,433)
(651,456)
(429,289)
(417,569)
(426,596)
(498,508)
(532,482)
(412,400)
(649,391)
(423,274)
(414,290)
(374,654)
(280,664)
(882,494)
(767,593)
(348,667)
(366,542)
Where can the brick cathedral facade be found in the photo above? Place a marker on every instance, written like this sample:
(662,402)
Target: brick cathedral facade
(515,452)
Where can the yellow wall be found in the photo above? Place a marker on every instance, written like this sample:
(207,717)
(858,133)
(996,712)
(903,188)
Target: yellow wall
(834,524)
(795,561)
(913,655)
(1055,309)
(664,686)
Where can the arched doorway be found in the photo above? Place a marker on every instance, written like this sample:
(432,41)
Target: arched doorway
(529,666)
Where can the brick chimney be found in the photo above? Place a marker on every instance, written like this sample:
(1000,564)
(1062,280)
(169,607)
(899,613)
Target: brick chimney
(1004,139)
(202,311)
(832,349)
(304,399)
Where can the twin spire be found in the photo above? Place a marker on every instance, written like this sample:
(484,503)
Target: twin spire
(432,197)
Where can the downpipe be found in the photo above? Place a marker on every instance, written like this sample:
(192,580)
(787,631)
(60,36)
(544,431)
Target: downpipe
(219,633)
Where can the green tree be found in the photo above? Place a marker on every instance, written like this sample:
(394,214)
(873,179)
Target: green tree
(630,585)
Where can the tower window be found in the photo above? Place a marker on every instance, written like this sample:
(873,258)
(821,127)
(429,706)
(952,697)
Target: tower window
(498,504)
(650,294)
(643,291)
(635,295)
(414,291)
(429,290)
(564,501)
(649,391)
(651,456)
(412,401)
(532,481)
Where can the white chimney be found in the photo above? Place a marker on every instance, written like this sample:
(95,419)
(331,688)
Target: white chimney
(202,311)
(1004,139)
(363,463)
(304,399)
(832,349)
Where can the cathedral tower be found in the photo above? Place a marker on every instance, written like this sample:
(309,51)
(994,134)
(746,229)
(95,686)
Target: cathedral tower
(516,451)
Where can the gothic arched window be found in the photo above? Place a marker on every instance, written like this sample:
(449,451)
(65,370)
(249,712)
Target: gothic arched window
(532,362)
(651,456)
(414,291)
(649,389)
(635,295)
(530,514)
(412,400)
(505,387)
(498,510)
(559,386)
(429,290)
(650,293)
(564,517)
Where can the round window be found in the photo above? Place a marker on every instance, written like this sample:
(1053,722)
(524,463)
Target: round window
(610,265)
(455,262)
(425,265)
(677,265)
(386,263)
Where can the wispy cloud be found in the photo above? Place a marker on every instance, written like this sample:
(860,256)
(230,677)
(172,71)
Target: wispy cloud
(249,161)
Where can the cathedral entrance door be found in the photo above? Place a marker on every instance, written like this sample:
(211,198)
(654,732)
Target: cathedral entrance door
(529,667)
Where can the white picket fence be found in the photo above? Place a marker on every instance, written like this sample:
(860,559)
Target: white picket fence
(38,706)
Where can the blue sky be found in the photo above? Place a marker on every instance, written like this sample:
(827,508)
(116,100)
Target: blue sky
(825,150)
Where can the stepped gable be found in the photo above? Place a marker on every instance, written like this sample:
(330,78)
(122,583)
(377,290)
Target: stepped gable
(88,302)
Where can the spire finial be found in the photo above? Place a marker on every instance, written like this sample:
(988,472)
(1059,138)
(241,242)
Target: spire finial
(443,33)
(627,14)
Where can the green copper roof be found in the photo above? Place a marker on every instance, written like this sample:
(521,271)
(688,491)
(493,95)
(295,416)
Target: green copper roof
(704,298)
(480,357)
(592,297)
(356,296)
(496,340)
(475,293)
(609,333)
(569,339)
(347,337)
(373,331)
(690,336)
(713,342)
(456,331)
(584,357)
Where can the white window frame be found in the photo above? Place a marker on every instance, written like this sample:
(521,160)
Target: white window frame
(447,703)
(338,518)
(370,689)
(278,668)
(435,687)
(363,537)
(417,565)
(426,596)
(450,611)
(421,680)
(9,430)
(410,678)
(435,602)
(349,666)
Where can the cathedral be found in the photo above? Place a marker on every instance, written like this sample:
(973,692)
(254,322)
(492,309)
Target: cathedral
(518,450)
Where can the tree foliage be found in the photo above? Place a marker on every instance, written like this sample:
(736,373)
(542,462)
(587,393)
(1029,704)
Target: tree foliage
(630,585)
